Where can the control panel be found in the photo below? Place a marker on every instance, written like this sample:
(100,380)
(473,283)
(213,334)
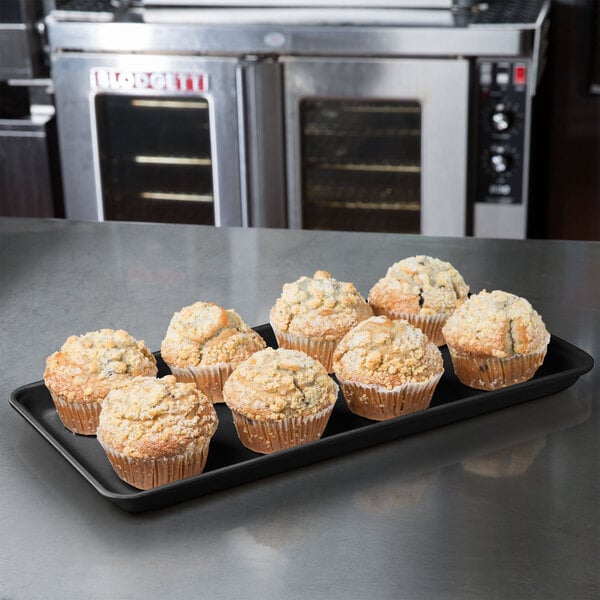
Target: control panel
(500,130)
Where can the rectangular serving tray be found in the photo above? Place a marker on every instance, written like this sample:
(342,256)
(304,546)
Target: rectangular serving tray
(230,463)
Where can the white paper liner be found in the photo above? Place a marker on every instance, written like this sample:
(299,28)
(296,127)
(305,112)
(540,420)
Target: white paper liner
(78,417)
(430,325)
(379,404)
(321,350)
(489,373)
(269,436)
(208,379)
(147,473)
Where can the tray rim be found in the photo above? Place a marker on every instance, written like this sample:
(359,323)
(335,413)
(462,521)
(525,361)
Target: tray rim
(567,376)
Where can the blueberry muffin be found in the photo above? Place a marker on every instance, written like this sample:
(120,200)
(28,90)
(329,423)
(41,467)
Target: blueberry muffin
(87,367)
(279,399)
(496,339)
(313,314)
(205,342)
(423,290)
(156,431)
(387,368)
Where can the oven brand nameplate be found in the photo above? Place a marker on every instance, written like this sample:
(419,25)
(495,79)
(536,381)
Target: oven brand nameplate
(158,81)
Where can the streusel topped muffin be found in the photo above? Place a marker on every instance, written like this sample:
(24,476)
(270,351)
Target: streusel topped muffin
(87,367)
(156,430)
(278,384)
(279,398)
(387,368)
(205,342)
(497,324)
(387,353)
(496,339)
(206,334)
(423,290)
(313,313)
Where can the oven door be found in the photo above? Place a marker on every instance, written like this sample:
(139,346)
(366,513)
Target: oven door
(149,138)
(377,144)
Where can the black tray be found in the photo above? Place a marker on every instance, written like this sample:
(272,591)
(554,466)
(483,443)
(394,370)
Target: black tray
(230,463)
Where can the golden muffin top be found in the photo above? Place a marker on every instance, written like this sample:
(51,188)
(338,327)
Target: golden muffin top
(388,353)
(279,384)
(87,367)
(419,285)
(319,307)
(206,334)
(497,324)
(152,418)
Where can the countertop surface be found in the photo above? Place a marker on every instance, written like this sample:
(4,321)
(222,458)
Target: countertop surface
(504,505)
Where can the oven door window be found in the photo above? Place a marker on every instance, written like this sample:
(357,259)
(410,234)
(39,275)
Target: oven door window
(155,158)
(361,165)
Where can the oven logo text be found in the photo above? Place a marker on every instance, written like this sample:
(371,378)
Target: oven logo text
(158,81)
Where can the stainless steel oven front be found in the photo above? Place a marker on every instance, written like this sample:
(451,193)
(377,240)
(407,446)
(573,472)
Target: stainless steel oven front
(149,138)
(377,144)
(376,120)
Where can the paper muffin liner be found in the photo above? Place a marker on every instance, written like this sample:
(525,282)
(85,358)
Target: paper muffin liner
(266,437)
(490,373)
(430,325)
(321,350)
(147,473)
(379,404)
(78,417)
(208,379)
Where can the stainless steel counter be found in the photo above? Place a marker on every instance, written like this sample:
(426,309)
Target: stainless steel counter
(500,506)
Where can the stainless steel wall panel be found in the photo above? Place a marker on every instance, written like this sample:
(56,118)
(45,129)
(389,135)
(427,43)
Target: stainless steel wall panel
(28,178)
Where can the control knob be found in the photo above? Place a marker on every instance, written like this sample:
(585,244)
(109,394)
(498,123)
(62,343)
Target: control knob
(499,163)
(501,119)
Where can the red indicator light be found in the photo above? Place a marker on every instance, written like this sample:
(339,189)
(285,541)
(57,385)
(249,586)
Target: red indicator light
(520,75)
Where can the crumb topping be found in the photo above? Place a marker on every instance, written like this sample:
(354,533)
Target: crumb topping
(88,366)
(496,324)
(319,306)
(419,285)
(206,334)
(151,418)
(279,384)
(386,353)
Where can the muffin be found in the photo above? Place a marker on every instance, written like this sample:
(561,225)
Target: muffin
(313,314)
(87,367)
(387,368)
(204,343)
(423,290)
(279,399)
(155,431)
(496,339)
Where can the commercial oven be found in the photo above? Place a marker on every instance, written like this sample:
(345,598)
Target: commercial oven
(309,115)
(149,138)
